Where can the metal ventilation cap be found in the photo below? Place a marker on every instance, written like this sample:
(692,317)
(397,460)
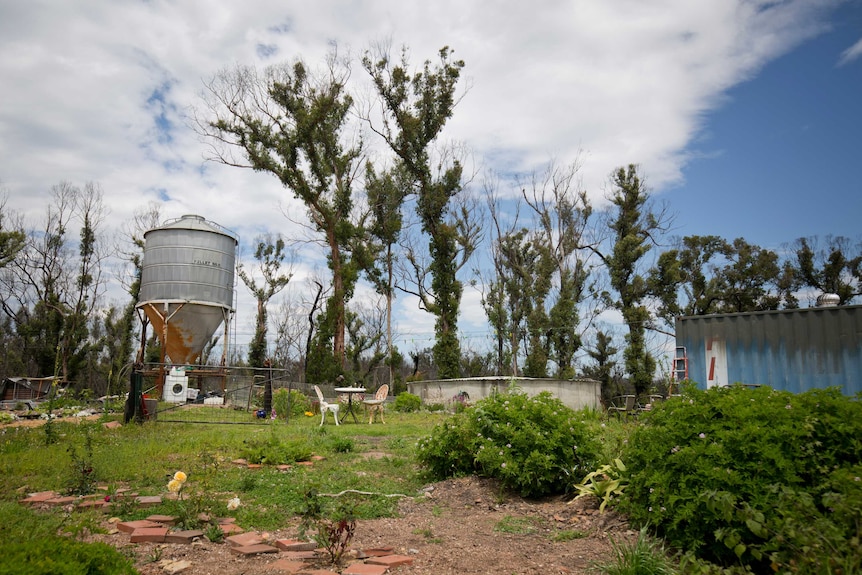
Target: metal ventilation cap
(828,300)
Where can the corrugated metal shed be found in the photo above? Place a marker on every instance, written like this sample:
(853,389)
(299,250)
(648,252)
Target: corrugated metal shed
(793,350)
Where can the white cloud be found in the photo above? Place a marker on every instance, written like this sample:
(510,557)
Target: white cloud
(851,53)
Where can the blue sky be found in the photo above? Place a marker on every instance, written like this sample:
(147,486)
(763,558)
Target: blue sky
(737,111)
(780,158)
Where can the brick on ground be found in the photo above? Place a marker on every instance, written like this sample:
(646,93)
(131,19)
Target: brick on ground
(364,569)
(295,545)
(390,560)
(130,526)
(249,550)
(149,534)
(184,537)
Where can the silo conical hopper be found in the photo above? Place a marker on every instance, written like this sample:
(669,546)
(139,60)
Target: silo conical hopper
(187,281)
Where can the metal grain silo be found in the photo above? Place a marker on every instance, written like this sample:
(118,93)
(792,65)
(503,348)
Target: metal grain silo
(187,282)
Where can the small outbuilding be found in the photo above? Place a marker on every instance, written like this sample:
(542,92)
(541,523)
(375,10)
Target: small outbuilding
(794,350)
(25,388)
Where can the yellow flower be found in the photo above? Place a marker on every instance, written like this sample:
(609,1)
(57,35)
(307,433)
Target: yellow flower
(180,476)
(174,486)
(308,414)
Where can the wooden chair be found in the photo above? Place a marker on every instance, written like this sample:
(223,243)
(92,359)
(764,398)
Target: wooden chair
(324,406)
(376,405)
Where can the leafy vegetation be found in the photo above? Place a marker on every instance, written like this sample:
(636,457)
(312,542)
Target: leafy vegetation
(531,444)
(760,478)
(646,556)
(61,556)
(407,402)
(605,483)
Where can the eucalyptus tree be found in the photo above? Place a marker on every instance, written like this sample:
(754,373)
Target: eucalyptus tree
(684,279)
(833,267)
(562,213)
(414,109)
(270,255)
(120,325)
(12,236)
(502,301)
(58,289)
(294,124)
(634,227)
(752,279)
(386,192)
(707,274)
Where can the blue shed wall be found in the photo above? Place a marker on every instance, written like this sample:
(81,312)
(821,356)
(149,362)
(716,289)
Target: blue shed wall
(793,350)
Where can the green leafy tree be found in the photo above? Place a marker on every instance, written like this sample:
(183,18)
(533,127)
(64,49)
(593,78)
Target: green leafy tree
(120,345)
(751,280)
(292,124)
(707,274)
(386,194)
(835,267)
(270,254)
(57,290)
(633,225)
(416,106)
(603,354)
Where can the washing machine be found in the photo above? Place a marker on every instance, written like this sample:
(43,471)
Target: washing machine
(176,387)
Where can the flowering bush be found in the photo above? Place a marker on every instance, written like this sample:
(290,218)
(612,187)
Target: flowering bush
(533,445)
(760,477)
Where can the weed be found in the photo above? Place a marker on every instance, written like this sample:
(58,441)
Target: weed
(646,556)
(427,534)
(568,535)
(83,480)
(407,402)
(342,445)
(517,525)
(334,533)
(82,523)
(155,555)
(214,533)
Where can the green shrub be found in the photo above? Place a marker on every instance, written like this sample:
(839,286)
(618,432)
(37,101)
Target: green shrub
(275,452)
(407,402)
(759,478)
(62,556)
(533,445)
(299,402)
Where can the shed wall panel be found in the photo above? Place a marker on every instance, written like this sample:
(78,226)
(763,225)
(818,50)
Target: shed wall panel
(793,350)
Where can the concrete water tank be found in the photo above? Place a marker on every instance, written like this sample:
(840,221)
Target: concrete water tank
(187,282)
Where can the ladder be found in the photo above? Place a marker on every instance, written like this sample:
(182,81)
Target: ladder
(680,365)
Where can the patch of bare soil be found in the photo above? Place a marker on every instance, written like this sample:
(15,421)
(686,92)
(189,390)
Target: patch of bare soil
(461,526)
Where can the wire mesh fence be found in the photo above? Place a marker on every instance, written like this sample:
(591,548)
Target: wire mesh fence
(226,395)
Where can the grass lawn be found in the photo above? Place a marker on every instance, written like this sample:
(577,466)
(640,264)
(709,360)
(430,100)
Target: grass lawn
(86,457)
(142,458)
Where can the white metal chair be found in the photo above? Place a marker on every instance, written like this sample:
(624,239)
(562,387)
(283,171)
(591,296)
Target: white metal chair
(324,406)
(376,405)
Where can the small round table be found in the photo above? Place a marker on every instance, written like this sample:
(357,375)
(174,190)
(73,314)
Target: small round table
(350,391)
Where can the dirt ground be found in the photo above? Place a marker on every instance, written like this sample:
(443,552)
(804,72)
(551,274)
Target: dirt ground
(461,526)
